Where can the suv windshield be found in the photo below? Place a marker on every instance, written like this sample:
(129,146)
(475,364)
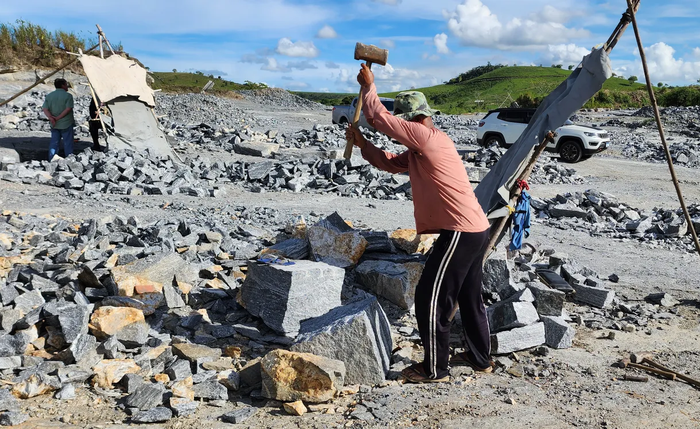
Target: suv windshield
(389,104)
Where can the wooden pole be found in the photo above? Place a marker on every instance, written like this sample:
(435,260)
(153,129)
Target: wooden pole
(42,80)
(102,33)
(657,115)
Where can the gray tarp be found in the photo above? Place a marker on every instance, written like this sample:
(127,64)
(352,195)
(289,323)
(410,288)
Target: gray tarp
(493,192)
(121,85)
(135,127)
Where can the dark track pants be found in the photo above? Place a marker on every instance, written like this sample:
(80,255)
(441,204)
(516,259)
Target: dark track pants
(453,273)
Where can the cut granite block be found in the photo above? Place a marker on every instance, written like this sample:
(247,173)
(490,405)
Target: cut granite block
(595,296)
(284,295)
(558,333)
(504,316)
(357,334)
(395,282)
(548,301)
(518,339)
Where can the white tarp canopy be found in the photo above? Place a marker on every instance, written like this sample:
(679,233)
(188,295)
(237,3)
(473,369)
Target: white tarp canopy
(120,84)
(116,77)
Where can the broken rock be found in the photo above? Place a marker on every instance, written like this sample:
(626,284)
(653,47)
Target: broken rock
(289,376)
(284,295)
(356,334)
(558,333)
(110,371)
(411,242)
(508,315)
(125,323)
(518,339)
(334,242)
(390,280)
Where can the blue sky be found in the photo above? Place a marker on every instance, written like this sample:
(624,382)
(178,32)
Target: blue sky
(309,44)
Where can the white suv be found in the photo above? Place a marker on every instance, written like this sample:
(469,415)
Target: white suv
(573,142)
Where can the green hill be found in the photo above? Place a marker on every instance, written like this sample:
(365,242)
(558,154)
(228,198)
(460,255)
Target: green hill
(194,82)
(500,87)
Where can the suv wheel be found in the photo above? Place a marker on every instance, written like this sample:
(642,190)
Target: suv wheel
(494,139)
(571,151)
(343,120)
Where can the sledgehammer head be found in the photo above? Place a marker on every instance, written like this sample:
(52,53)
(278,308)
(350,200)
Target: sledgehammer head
(371,54)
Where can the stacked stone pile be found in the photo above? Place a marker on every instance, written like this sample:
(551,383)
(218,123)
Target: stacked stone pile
(165,315)
(603,214)
(281,98)
(547,169)
(25,114)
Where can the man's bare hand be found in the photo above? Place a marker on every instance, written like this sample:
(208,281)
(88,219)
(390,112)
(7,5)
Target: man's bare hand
(365,77)
(354,135)
(53,121)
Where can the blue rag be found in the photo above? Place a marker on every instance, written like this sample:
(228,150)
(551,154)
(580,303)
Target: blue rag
(521,221)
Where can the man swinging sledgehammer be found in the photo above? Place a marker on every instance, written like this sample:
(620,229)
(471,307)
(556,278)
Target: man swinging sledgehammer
(444,203)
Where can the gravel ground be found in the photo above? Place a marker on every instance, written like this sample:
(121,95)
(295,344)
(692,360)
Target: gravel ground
(582,387)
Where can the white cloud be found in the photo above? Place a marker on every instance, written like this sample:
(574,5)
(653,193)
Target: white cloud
(387,44)
(327,32)
(391,2)
(272,65)
(440,41)
(663,66)
(298,49)
(566,54)
(475,25)
(332,65)
(696,53)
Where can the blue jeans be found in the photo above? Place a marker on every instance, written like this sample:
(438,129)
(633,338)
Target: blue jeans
(56,135)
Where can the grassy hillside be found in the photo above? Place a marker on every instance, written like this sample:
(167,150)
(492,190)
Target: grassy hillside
(23,44)
(500,87)
(194,82)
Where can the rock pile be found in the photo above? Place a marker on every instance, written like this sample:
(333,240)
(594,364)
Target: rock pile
(603,214)
(547,169)
(25,114)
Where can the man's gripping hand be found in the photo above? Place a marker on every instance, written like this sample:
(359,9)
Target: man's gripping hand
(365,77)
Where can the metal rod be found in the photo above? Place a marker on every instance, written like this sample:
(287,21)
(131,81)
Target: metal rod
(43,79)
(657,114)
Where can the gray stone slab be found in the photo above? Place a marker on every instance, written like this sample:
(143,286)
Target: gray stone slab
(256,149)
(10,362)
(295,248)
(518,339)
(146,396)
(357,334)
(388,280)
(155,415)
(74,321)
(284,295)
(28,301)
(504,316)
(558,333)
(567,210)
(239,416)
(378,241)
(12,418)
(496,272)
(210,389)
(594,296)
(548,301)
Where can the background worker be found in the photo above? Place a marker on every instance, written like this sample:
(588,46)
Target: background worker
(95,125)
(444,203)
(58,107)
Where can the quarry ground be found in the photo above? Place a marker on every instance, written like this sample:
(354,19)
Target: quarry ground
(584,389)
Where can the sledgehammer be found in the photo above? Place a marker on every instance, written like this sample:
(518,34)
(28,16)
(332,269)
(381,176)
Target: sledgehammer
(372,55)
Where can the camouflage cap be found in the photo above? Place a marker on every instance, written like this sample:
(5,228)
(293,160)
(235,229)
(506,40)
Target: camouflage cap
(409,104)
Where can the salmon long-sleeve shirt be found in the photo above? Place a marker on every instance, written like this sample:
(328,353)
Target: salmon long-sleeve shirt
(443,198)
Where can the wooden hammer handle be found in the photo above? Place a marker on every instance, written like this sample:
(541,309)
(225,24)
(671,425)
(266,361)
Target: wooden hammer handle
(355,120)
(657,371)
(683,377)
